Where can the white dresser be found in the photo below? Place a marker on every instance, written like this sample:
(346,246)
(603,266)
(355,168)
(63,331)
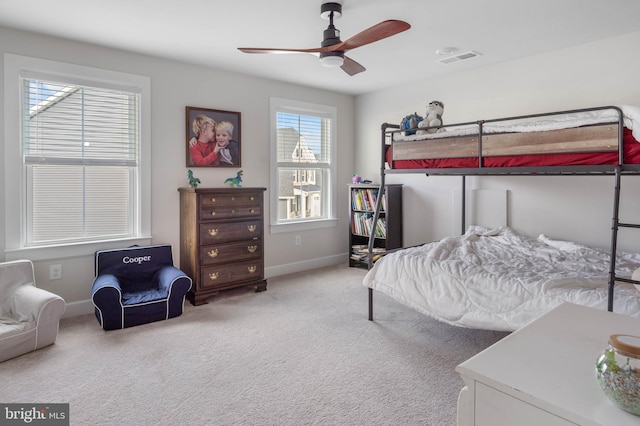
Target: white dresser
(544,373)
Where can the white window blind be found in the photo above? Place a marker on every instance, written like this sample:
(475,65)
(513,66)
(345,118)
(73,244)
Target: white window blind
(303,139)
(80,151)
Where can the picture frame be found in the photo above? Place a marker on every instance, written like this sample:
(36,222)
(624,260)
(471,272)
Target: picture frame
(206,151)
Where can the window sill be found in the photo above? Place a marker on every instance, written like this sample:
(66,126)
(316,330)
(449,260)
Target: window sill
(303,225)
(71,250)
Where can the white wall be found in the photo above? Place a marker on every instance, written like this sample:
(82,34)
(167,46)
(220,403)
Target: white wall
(175,85)
(576,208)
(594,74)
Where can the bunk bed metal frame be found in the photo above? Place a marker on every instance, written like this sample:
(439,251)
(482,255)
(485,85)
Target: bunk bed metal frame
(616,170)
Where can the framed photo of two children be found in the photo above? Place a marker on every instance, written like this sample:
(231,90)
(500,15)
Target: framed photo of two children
(212,137)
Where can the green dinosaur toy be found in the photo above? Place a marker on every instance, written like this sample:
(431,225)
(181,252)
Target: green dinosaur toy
(193,181)
(235,181)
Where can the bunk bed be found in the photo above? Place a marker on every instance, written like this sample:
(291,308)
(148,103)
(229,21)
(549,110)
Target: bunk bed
(495,278)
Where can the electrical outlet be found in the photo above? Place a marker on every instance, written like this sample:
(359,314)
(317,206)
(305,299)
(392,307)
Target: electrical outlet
(298,240)
(55,272)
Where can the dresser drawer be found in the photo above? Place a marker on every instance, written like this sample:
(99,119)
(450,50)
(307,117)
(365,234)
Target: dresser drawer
(216,232)
(231,199)
(229,212)
(223,275)
(222,253)
(225,206)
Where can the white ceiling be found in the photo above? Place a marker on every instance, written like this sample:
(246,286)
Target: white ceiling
(208,32)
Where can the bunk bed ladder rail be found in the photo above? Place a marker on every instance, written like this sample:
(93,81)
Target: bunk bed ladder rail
(376,213)
(372,237)
(615,221)
(616,224)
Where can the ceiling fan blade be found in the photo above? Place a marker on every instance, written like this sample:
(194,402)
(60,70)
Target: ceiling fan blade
(281,51)
(351,67)
(377,32)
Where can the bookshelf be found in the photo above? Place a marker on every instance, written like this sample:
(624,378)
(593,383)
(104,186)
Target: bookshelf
(388,230)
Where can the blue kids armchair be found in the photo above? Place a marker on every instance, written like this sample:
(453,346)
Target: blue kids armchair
(137,285)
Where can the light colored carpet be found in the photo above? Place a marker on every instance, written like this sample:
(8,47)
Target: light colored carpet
(301,353)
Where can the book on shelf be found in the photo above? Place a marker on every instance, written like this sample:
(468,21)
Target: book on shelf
(362,224)
(366,195)
(364,249)
(361,251)
(364,199)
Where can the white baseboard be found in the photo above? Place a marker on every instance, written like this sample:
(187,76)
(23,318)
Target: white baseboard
(85,307)
(76,309)
(305,265)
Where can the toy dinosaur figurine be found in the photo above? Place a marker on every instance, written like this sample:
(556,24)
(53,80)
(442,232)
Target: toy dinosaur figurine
(193,181)
(235,181)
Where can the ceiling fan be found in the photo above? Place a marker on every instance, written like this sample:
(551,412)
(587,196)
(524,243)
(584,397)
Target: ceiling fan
(332,50)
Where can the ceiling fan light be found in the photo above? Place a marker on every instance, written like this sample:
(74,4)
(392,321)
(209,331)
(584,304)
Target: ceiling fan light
(332,59)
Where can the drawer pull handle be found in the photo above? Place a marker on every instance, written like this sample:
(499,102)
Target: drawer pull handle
(213,200)
(252,249)
(252,228)
(213,232)
(252,211)
(213,276)
(213,213)
(252,198)
(233,198)
(213,253)
(233,211)
(252,269)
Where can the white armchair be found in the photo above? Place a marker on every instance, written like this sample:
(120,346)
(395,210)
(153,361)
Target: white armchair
(29,316)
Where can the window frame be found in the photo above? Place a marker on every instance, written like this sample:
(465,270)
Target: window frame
(302,108)
(16,67)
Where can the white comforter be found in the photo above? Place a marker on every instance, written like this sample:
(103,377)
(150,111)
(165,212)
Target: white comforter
(499,280)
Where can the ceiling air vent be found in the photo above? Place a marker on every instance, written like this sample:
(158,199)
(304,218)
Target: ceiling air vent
(458,57)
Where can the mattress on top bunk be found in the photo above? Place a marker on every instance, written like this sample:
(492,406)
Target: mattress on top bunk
(578,138)
(631,155)
(496,279)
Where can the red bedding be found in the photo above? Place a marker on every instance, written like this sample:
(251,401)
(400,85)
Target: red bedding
(631,156)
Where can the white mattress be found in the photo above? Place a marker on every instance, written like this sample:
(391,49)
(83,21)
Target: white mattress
(499,280)
(630,116)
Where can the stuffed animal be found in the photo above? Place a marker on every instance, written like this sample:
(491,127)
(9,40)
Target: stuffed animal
(410,123)
(433,119)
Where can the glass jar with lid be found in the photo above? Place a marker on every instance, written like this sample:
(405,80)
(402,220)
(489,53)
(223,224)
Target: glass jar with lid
(618,372)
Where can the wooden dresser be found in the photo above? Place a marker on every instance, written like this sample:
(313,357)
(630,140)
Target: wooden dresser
(221,239)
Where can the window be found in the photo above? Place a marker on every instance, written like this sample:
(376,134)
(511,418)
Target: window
(80,154)
(303,177)
(79,157)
